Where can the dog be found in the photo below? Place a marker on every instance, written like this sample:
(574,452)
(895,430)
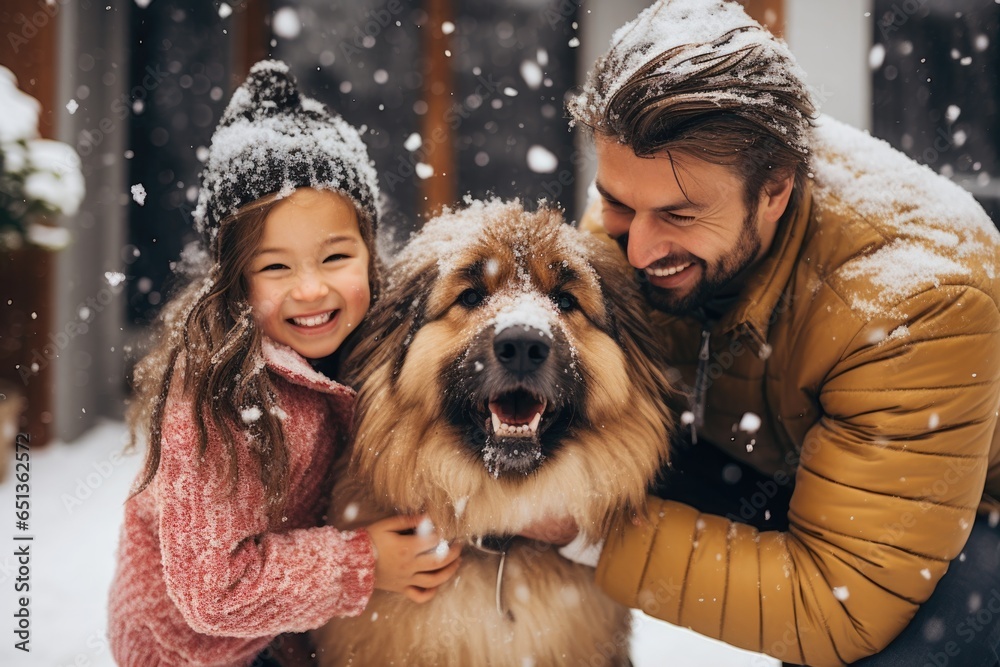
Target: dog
(507,374)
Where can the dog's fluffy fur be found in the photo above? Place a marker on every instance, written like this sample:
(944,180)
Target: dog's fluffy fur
(432,367)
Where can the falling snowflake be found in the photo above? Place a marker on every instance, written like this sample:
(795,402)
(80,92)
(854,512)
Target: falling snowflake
(532,74)
(934,630)
(424,170)
(114,278)
(139,194)
(541,160)
(876,56)
(286,23)
(425,528)
(750,423)
(413,142)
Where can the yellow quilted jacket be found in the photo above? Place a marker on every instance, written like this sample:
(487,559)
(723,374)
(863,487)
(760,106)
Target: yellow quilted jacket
(868,344)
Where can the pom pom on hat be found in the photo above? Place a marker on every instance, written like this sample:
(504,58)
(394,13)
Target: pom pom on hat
(272,139)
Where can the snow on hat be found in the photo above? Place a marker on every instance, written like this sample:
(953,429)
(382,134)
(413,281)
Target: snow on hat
(272,139)
(701,33)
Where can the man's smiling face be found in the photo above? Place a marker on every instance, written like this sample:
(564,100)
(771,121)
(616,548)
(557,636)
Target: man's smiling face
(683,222)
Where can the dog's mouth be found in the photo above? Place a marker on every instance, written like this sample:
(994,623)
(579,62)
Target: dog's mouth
(517,421)
(516,414)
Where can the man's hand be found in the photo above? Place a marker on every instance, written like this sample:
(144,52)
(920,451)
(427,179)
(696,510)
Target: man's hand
(554,530)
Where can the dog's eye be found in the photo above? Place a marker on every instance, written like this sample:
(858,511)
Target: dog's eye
(470,298)
(566,302)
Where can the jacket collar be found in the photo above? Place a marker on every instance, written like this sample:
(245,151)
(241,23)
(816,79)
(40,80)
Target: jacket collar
(292,366)
(758,304)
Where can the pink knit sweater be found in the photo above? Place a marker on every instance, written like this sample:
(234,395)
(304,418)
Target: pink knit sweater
(203,578)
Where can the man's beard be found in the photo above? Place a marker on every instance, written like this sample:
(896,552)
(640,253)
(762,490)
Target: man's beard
(714,280)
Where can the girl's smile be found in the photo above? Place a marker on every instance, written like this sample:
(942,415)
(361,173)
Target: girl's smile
(313,322)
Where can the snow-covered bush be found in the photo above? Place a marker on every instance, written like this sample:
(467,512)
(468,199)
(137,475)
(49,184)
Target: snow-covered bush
(38,177)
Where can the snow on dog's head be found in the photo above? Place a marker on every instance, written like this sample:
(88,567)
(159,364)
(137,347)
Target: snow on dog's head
(508,371)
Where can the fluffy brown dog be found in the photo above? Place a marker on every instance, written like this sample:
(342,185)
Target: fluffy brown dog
(507,375)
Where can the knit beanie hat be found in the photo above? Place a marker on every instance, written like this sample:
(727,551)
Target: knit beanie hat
(272,139)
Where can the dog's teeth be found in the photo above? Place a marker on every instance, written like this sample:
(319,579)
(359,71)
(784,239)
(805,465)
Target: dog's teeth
(496,422)
(533,426)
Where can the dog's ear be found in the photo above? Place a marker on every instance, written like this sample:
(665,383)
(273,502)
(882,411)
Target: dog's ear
(629,317)
(395,318)
(631,328)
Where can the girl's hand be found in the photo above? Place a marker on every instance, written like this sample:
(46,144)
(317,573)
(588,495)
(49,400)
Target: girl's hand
(414,564)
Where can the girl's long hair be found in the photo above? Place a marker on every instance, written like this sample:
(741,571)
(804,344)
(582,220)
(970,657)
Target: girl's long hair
(207,339)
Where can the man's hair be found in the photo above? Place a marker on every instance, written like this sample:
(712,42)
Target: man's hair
(739,100)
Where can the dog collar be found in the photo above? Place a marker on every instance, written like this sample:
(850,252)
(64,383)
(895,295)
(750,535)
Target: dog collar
(497,545)
(492,544)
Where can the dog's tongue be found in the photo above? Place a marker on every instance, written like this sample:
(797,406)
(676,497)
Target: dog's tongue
(517,408)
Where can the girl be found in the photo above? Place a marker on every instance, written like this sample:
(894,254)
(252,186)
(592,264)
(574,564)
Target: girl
(220,550)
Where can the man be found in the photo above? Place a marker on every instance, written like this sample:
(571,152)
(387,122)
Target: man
(830,311)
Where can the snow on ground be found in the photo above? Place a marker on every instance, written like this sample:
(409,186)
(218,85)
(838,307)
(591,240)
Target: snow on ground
(76,507)
(77,493)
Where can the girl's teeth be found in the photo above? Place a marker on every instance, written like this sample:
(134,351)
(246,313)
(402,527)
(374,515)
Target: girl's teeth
(313,321)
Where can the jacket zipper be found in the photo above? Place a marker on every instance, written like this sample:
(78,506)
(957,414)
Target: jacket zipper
(700,386)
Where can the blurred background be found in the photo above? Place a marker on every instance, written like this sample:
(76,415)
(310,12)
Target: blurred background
(456,97)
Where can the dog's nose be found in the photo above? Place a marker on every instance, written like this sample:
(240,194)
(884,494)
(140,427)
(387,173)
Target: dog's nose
(521,349)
